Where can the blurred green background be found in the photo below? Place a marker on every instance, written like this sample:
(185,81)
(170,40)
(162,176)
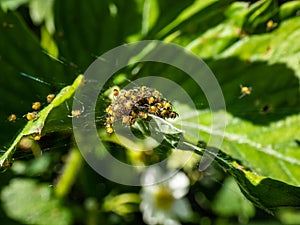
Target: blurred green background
(46,44)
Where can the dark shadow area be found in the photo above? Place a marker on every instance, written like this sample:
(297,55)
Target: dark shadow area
(82,35)
(274,89)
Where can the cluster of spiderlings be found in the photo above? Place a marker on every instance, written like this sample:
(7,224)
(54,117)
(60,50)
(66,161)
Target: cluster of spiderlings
(137,103)
(34,114)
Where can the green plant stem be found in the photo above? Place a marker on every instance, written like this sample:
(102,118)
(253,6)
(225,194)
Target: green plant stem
(70,171)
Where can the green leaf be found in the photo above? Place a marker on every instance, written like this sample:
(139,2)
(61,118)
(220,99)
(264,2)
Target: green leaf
(264,160)
(35,167)
(42,11)
(84,31)
(289,216)
(279,46)
(24,57)
(17,57)
(276,44)
(289,9)
(68,177)
(12,5)
(30,203)
(36,126)
(150,15)
(252,60)
(261,145)
(258,15)
(270,151)
(239,205)
(193,20)
(186,14)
